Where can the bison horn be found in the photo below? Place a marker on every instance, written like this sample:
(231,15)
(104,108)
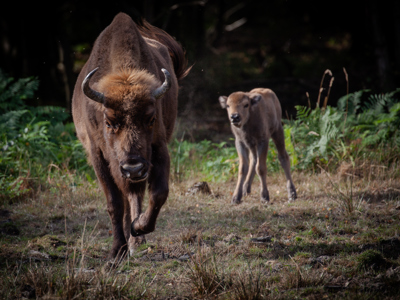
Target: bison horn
(160,91)
(89,92)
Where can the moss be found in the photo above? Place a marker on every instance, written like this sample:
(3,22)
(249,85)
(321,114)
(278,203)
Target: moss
(47,243)
(371,259)
(303,254)
(171,265)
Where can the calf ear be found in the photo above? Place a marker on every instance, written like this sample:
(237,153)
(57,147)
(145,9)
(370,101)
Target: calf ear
(222,101)
(255,98)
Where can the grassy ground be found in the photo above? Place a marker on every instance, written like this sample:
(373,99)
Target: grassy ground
(340,239)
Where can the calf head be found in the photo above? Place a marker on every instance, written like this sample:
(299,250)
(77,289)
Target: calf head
(129,106)
(238,106)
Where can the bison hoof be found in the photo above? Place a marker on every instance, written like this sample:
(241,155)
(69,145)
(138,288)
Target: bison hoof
(145,229)
(117,252)
(133,231)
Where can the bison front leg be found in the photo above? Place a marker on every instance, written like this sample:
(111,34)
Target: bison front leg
(279,140)
(243,153)
(115,202)
(158,192)
(132,211)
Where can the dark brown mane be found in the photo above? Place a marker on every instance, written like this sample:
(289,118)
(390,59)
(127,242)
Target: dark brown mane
(175,49)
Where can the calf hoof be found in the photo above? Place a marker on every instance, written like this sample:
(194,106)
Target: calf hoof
(292,195)
(265,197)
(236,200)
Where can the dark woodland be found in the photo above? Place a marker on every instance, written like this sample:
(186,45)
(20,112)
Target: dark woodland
(233,45)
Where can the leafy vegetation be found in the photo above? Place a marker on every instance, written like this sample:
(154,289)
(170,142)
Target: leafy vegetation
(215,161)
(348,132)
(39,142)
(35,142)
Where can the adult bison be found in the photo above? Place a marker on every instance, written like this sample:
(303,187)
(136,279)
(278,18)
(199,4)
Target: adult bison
(124,116)
(255,118)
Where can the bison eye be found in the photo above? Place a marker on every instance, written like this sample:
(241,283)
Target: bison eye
(246,106)
(151,123)
(113,127)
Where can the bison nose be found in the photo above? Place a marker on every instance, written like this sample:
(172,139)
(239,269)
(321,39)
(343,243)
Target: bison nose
(235,118)
(135,169)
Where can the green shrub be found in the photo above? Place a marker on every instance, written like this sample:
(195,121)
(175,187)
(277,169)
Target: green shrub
(35,142)
(329,135)
(213,161)
(371,259)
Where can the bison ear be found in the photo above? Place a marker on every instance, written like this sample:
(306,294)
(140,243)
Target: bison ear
(222,101)
(255,98)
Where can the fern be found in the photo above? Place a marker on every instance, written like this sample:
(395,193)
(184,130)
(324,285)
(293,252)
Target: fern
(32,138)
(380,102)
(12,93)
(321,135)
(350,104)
(329,128)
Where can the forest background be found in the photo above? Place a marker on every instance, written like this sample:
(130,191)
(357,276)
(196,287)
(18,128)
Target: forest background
(232,45)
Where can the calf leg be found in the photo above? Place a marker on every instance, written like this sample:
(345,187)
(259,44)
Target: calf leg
(251,173)
(261,167)
(279,140)
(243,169)
(158,192)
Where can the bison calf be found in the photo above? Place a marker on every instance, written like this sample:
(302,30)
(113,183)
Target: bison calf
(255,118)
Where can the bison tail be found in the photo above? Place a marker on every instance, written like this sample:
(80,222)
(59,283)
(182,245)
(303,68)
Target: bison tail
(177,53)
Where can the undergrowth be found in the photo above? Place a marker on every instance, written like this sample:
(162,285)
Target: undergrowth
(36,143)
(349,132)
(39,144)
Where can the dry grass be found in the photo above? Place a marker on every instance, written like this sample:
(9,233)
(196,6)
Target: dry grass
(54,244)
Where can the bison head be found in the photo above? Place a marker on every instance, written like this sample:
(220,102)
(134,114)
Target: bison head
(129,107)
(238,106)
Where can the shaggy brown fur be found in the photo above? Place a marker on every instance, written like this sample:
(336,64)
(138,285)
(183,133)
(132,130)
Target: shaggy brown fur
(126,134)
(255,118)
